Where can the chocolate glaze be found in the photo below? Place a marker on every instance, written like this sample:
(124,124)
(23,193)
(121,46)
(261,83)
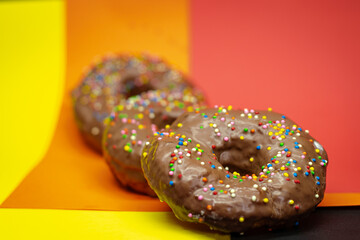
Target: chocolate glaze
(133,123)
(251,169)
(112,79)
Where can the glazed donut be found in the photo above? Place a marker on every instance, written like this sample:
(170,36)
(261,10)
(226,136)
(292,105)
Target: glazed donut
(236,170)
(132,124)
(112,79)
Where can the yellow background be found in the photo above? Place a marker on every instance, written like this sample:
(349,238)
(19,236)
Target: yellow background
(32,63)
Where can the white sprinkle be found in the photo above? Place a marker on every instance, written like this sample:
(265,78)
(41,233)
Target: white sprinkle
(188,154)
(176,151)
(263,188)
(147,143)
(95,131)
(227,185)
(316,195)
(179,161)
(255,186)
(202,163)
(233,195)
(232,190)
(253,198)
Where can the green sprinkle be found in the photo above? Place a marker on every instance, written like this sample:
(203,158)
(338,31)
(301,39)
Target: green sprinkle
(245,129)
(281,144)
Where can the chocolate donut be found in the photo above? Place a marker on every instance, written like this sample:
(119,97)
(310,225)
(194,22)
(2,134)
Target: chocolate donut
(112,79)
(236,170)
(135,122)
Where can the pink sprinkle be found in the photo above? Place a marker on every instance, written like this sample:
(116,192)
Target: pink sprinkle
(139,142)
(294,128)
(171,173)
(222,119)
(232,123)
(282,152)
(177,137)
(159,138)
(190,215)
(199,153)
(264,126)
(133,131)
(272,174)
(122,131)
(124,120)
(218,134)
(210,186)
(252,111)
(321,163)
(180,153)
(246,110)
(302,156)
(283,121)
(205,189)
(249,177)
(133,121)
(200,197)
(261,173)
(277,121)
(226,139)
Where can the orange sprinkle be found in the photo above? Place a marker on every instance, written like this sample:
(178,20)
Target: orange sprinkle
(204,179)
(221,181)
(109,135)
(209,207)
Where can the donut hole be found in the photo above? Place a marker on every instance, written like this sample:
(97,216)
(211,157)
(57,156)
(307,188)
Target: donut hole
(133,85)
(239,156)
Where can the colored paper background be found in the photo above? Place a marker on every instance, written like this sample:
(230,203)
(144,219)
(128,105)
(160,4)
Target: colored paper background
(300,58)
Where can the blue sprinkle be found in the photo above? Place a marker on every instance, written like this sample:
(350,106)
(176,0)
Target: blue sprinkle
(161,134)
(296,143)
(181,143)
(212,189)
(227,175)
(300,129)
(323,161)
(306,174)
(313,159)
(213,166)
(286,149)
(295,174)
(286,133)
(294,161)
(283,116)
(171,183)
(205,116)
(317,177)
(297,223)
(269,165)
(258,147)
(297,147)
(317,183)
(181,139)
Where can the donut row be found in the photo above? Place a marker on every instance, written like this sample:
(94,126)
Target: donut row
(234,170)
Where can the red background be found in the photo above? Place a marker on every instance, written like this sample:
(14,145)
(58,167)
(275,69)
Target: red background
(301,58)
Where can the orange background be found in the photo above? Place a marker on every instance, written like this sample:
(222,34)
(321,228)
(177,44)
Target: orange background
(242,54)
